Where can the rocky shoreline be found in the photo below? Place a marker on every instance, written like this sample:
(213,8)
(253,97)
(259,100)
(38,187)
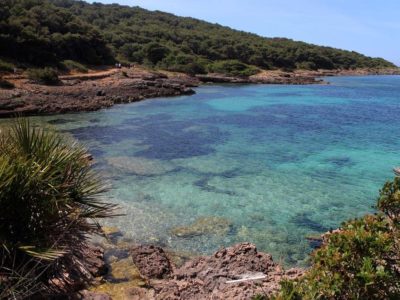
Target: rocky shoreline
(97,90)
(147,272)
(119,269)
(89,92)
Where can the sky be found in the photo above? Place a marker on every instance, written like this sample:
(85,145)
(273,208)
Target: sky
(371,27)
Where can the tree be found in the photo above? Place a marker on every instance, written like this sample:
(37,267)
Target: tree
(155,52)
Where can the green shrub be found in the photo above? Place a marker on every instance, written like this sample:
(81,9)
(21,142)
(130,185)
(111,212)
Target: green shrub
(4,84)
(6,67)
(49,199)
(306,65)
(155,52)
(71,65)
(46,76)
(188,64)
(361,261)
(232,68)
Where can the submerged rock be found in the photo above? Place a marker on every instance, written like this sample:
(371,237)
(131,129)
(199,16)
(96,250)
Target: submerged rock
(123,270)
(203,225)
(140,166)
(111,231)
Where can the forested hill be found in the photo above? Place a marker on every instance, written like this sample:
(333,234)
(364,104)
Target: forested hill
(46,32)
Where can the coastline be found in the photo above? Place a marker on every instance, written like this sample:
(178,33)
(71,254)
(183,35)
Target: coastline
(144,271)
(98,90)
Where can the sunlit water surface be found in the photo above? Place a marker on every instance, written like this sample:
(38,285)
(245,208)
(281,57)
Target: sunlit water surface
(278,162)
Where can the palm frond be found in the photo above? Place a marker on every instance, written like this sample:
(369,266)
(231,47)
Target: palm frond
(50,199)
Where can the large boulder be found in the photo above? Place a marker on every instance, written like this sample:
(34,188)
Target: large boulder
(151,261)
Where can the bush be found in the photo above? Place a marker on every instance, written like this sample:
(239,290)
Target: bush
(46,76)
(188,64)
(6,67)
(306,65)
(4,84)
(49,199)
(233,68)
(71,65)
(155,52)
(360,261)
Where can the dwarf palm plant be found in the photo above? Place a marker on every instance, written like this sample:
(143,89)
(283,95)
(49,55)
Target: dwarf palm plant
(49,205)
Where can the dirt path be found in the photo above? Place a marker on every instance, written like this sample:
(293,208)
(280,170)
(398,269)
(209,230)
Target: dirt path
(91,75)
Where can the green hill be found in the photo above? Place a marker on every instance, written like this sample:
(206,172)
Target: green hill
(47,32)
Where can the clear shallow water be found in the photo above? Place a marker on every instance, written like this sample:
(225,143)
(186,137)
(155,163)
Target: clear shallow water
(279,162)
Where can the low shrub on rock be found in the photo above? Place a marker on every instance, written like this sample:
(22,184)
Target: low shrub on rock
(50,203)
(47,76)
(359,261)
(72,65)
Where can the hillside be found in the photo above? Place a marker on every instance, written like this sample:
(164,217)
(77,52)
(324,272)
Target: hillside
(47,32)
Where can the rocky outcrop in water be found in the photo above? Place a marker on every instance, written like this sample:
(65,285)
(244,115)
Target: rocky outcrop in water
(97,90)
(88,92)
(270,77)
(295,77)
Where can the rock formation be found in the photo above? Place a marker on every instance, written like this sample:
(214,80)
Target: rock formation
(238,272)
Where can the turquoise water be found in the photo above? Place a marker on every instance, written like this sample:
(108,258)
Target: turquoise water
(279,162)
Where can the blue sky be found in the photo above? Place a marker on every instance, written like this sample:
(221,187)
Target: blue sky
(371,27)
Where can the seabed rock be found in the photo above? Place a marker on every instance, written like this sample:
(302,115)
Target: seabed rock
(140,166)
(203,225)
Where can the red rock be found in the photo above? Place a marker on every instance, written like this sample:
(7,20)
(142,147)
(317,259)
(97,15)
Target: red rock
(238,272)
(87,295)
(151,261)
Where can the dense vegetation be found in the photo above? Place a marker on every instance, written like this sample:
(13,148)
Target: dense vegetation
(361,261)
(46,76)
(49,200)
(47,32)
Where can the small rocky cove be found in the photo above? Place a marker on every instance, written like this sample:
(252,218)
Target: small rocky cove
(105,88)
(122,270)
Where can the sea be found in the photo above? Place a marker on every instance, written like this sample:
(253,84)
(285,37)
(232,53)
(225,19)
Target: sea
(268,164)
